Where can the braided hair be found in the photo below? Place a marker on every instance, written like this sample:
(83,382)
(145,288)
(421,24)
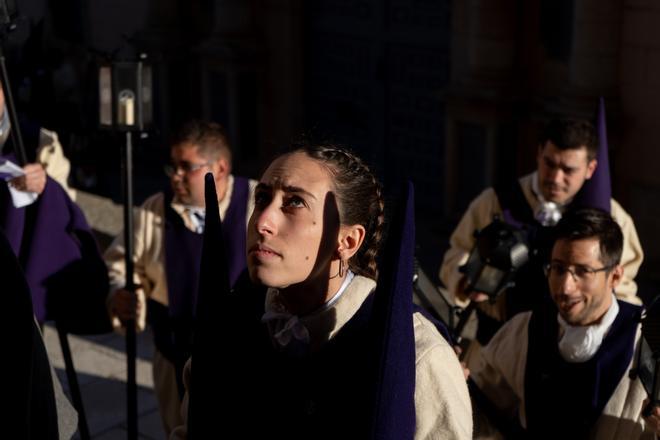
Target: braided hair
(359,198)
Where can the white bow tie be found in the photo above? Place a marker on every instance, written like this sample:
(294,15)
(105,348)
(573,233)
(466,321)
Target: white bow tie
(581,343)
(548,214)
(284,326)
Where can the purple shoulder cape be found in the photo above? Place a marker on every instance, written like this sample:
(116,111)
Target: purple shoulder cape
(59,255)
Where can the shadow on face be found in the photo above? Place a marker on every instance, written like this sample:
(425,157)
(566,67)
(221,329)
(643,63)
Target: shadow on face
(293,234)
(328,245)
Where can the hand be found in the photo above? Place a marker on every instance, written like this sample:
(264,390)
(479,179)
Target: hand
(472,295)
(126,305)
(466,371)
(479,297)
(654,419)
(34,179)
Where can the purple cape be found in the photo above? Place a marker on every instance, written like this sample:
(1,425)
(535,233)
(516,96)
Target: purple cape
(60,258)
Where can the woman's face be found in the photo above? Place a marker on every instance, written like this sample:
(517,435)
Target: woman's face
(293,231)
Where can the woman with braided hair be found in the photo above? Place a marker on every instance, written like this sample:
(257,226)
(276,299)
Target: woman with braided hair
(312,243)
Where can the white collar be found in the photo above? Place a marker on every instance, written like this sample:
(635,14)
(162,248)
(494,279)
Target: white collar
(581,343)
(547,213)
(197,217)
(285,326)
(349,277)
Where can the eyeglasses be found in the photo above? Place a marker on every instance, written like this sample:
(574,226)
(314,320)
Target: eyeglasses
(579,273)
(172,169)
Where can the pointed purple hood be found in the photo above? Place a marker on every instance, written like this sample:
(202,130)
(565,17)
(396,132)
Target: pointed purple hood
(597,191)
(392,326)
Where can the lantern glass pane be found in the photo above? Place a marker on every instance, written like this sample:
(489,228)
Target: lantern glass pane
(105,96)
(146,96)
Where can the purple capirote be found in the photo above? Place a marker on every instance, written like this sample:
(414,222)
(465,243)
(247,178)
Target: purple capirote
(597,191)
(392,329)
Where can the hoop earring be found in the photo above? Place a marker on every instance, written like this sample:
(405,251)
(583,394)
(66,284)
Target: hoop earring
(342,269)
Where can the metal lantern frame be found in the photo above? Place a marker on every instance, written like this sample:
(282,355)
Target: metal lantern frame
(125,95)
(126,105)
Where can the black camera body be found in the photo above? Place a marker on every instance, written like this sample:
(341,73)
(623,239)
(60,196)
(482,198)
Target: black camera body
(500,250)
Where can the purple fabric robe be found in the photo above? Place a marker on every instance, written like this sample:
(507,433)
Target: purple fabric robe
(65,272)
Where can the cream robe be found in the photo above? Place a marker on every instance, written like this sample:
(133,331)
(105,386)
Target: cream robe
(442,402)
(500,373)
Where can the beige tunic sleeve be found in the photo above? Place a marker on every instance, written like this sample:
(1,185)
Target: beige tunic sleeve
(51,155)
(148,256)
(499,372)
(442,401)
(622,415)
(632,256)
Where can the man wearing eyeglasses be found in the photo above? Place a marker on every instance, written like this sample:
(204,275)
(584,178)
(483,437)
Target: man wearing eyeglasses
(566,162)
(167,252)
(561,370)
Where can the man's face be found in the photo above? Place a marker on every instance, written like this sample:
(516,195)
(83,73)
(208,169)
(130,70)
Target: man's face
(582,301)
(190,167)
(562,172)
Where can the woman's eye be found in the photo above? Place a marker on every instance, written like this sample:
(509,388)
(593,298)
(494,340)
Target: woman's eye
(294,202)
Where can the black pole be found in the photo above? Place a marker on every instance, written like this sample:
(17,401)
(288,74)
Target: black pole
(131,384)
(15,132)
(74,388)
(463,320)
